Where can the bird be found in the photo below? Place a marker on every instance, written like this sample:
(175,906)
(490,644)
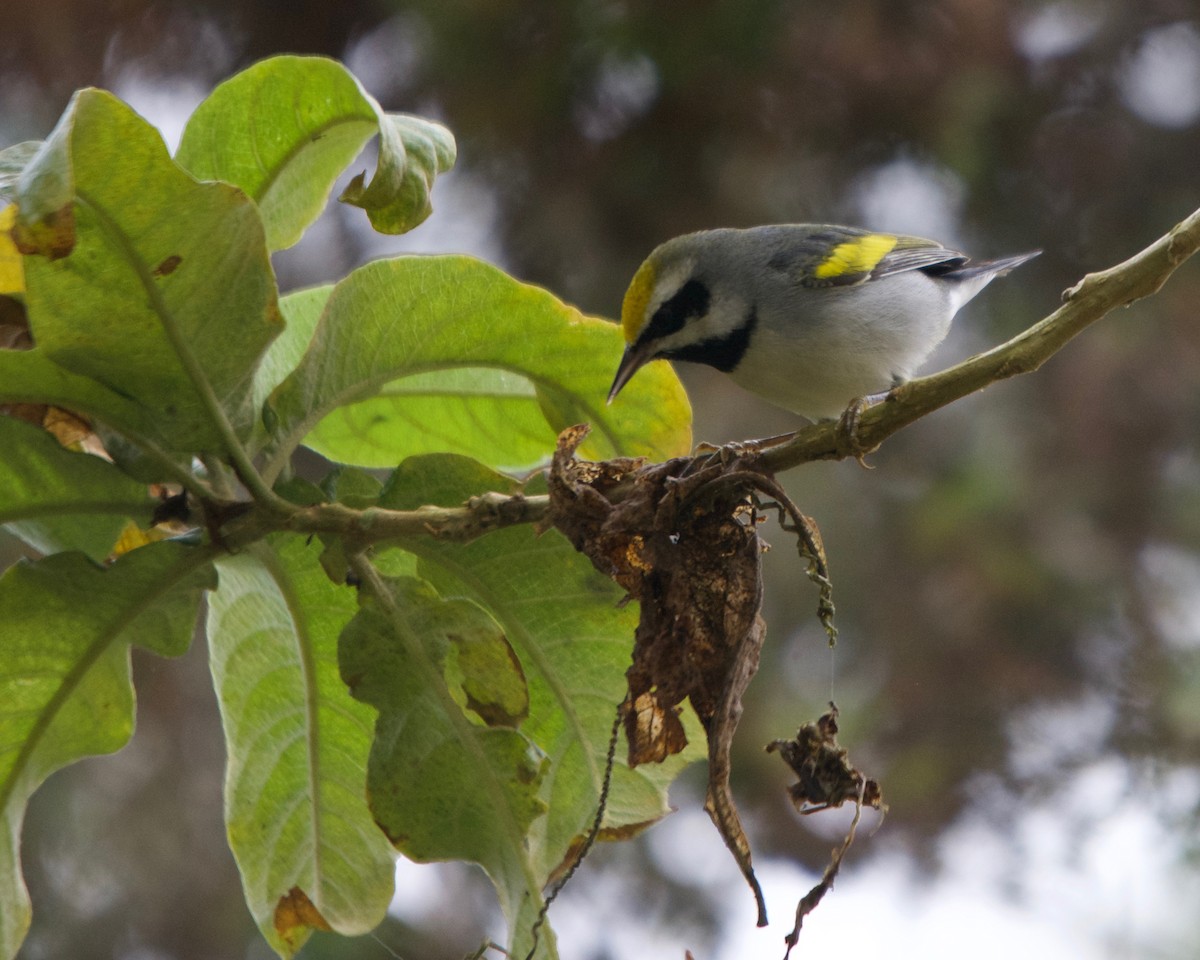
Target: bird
(810,317)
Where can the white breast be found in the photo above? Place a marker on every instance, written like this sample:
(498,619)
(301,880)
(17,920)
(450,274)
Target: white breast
(863,343)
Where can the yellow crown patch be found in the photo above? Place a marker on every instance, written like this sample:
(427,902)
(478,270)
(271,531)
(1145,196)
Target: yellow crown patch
(860,255)
(637,298)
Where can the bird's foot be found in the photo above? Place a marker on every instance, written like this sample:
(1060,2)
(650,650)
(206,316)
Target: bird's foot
(848,443)
(727,453)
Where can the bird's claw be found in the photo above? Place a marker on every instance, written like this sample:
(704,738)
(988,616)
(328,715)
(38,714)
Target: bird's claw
(734,450)
(848,444)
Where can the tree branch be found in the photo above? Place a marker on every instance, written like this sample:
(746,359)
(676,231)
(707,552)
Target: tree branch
(1093,297)
(479,515)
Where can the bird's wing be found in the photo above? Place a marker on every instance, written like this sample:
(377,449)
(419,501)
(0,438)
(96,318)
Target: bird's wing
(842,258)
(917,253)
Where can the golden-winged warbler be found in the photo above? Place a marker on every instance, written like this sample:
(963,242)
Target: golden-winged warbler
(807,316)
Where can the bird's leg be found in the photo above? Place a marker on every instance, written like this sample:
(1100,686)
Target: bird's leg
(847,430)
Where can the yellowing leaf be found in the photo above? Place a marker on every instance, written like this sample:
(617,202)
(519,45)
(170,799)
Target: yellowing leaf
(133,536)
(12,276)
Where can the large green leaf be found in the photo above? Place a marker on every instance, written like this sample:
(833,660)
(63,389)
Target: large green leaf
(308,849)
(450,776)
(562,619)
(59,500)
(284,129)
(142,279)
(65,692)
(421,354)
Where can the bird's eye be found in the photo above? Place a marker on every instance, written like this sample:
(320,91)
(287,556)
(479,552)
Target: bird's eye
(690,301)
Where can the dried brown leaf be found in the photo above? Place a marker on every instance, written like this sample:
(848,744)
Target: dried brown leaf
(682,546)
(826,778)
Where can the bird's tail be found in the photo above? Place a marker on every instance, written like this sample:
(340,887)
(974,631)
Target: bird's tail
(992,268)
(964,280)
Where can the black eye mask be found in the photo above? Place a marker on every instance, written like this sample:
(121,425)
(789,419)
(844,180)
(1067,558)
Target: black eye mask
(691,300)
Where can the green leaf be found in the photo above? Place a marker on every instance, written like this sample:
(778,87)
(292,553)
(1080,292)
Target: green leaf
(65,689)
(284,129)
(573,642)
(58,500)
(301,311)
(493,415)
(295,791)
(412,152)
(443,785)
(351,486)
(422,354)
(142,279)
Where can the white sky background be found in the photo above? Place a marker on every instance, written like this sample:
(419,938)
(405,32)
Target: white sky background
(1118,891)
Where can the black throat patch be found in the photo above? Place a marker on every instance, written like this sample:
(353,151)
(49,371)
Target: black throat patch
(724,353)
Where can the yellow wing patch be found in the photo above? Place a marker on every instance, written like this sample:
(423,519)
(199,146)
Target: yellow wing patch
(637,298)
(860,255)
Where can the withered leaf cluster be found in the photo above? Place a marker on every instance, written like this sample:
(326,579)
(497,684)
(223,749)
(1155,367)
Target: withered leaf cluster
(681,537)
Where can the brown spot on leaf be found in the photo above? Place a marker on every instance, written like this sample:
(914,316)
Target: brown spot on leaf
(53,236)
(273,315)
(168,265)
(295,914)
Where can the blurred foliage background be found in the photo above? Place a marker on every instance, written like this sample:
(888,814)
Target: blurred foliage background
(1018,580)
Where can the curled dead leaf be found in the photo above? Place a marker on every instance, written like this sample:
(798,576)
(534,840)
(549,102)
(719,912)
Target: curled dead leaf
(684,543)
(826,778)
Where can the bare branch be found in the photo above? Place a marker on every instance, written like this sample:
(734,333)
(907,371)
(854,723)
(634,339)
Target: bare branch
(479,515)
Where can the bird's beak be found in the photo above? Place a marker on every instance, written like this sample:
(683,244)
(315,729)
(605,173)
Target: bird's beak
(636,356)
